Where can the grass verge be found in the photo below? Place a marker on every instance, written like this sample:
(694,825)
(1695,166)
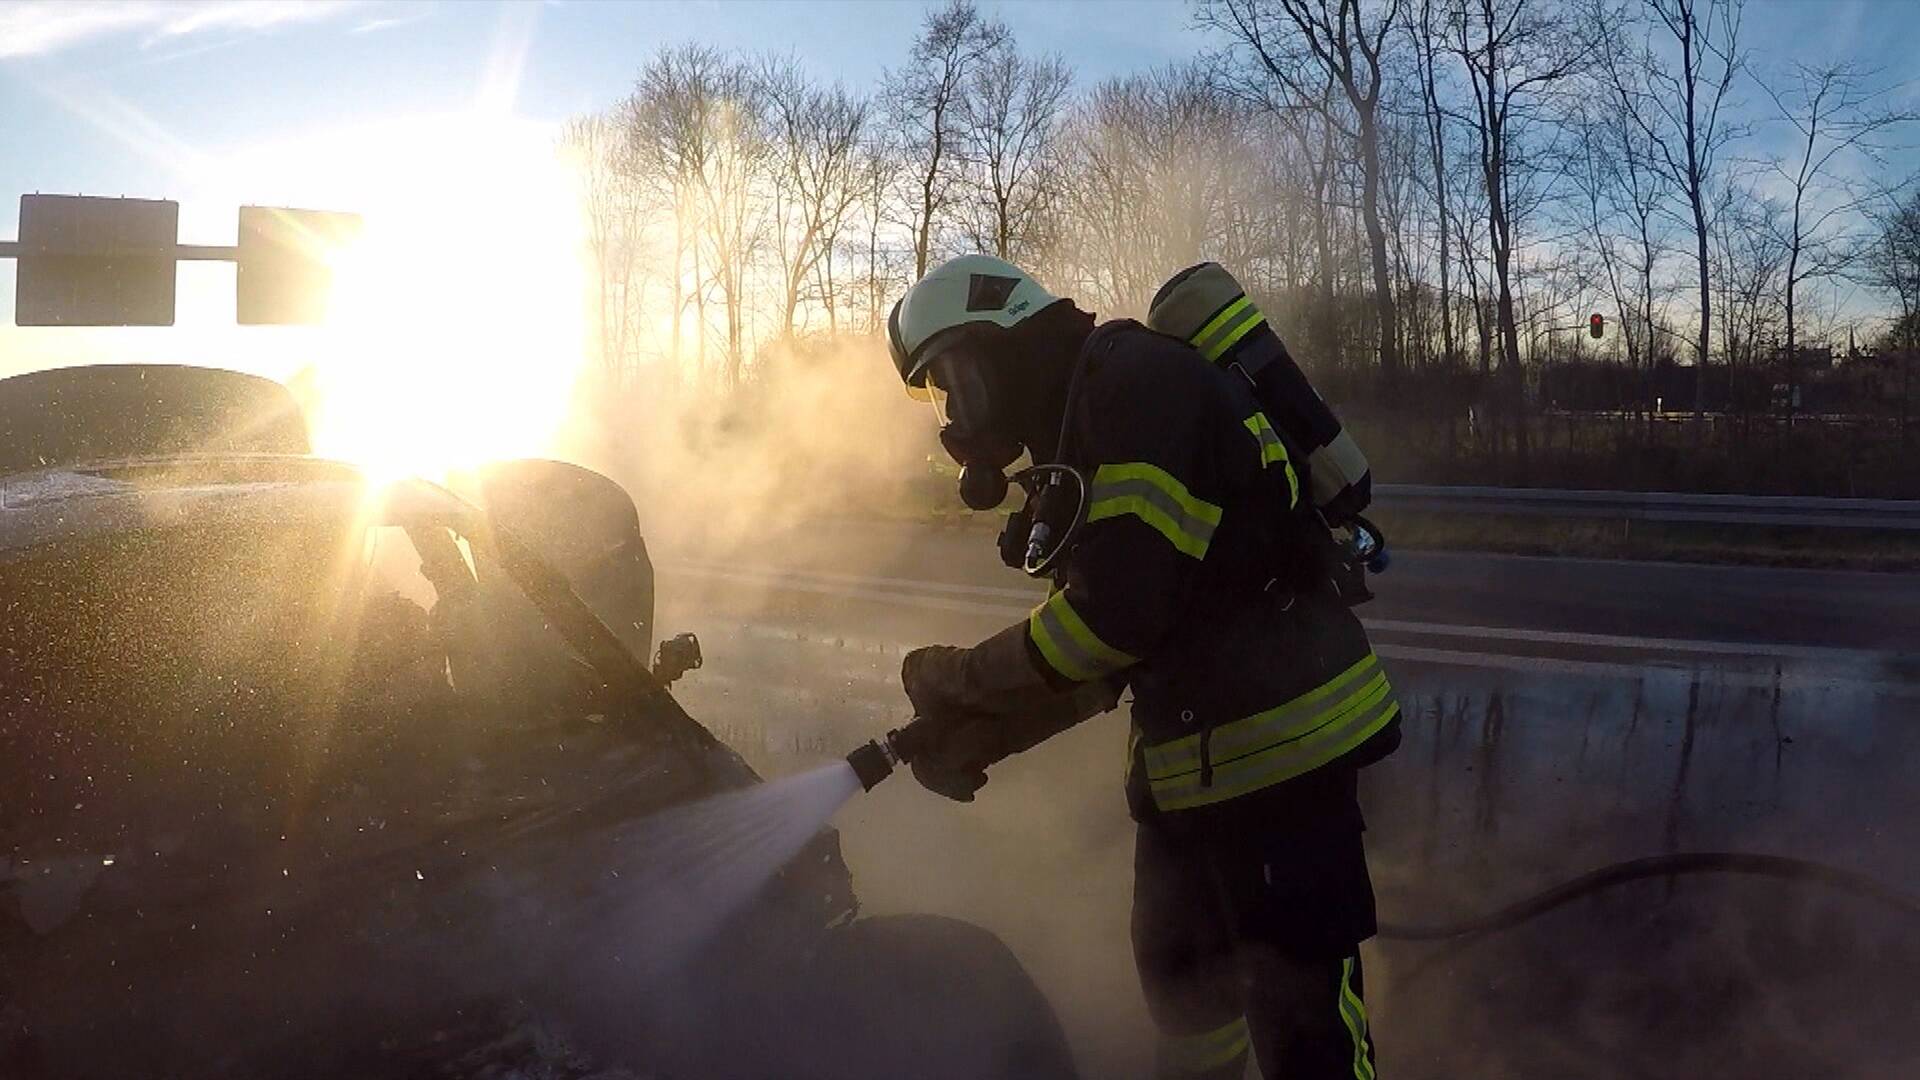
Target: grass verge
(1597,538)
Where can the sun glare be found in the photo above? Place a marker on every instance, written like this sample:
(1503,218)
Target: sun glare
(457,325)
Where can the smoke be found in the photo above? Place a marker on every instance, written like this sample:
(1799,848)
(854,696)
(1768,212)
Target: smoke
(819,430)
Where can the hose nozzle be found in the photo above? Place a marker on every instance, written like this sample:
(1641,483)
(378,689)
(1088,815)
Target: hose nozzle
(873,762)
(876,760)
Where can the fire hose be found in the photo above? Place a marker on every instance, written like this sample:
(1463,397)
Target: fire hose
(875,761)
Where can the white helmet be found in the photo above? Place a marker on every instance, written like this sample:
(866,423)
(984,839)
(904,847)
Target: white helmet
(963,290)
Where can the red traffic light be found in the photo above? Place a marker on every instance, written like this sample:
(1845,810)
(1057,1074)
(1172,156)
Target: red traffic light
(1596,325)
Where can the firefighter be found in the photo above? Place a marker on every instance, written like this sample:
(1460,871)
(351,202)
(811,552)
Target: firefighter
(1196,578)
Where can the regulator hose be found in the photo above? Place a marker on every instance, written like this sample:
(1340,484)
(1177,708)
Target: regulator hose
(1776,867)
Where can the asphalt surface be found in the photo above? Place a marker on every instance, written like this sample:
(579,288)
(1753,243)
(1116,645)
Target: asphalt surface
(1561,715)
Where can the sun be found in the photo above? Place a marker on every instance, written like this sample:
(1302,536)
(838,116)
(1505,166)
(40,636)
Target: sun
(457,327)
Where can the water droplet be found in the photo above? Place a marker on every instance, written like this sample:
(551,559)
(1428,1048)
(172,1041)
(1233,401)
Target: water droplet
(420,876)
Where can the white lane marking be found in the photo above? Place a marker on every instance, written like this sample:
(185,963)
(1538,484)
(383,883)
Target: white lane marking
(1613,641)
(1553,665)
(916,593)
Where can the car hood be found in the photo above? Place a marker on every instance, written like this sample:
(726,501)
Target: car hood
(68,503)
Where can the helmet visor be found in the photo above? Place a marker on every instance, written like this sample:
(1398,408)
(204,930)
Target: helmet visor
(959,392)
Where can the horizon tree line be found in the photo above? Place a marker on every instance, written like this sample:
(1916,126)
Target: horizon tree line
(1413,189)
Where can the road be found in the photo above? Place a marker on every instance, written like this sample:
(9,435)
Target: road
(1562,714)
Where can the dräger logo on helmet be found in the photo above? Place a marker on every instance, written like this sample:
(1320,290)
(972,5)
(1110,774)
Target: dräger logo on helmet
(1019,307)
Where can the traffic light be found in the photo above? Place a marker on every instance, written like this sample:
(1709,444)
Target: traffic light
(1596,325)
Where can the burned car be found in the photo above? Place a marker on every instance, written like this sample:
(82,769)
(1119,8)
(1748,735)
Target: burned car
(303,774)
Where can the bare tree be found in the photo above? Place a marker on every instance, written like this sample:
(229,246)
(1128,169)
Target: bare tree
(1295,42)
(1428,43)
(1838,117)
(1514,51)
(816,133)
(1893,266)
(734,209)
(615,207)
(1012,118)
(670,121)
(1749,261)
(926,100)
(1623,193)
(1685,113)
(1157,170)
(1446,157)
(877,173)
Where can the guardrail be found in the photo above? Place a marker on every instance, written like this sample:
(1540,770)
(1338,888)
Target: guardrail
(1901,515)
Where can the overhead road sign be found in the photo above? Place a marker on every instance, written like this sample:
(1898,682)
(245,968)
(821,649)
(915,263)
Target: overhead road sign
(95,262)
(89,261)
(286,263)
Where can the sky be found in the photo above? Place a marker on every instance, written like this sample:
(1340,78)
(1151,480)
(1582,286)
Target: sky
(135,99)
(145,99)
(219,102)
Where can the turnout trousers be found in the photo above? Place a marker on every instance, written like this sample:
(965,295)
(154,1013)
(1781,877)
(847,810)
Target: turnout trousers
(1251,945)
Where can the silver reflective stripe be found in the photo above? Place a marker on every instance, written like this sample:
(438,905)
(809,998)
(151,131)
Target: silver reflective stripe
(1335,467)
(1154,504)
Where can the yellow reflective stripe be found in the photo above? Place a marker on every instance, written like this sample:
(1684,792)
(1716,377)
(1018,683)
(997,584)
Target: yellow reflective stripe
(1205,1053)
(1219,323)
(1354,1012)
(1272,450)
(1226,328)
(1244,326)
(1289,720)
(1154,496)
(1069,645)
(1278,764)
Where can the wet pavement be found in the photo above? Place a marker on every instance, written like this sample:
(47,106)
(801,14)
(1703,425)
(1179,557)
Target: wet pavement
(1539,746)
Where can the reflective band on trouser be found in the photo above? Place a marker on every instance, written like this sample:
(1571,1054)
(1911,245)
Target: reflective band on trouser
(1226,328)
(1354,1012)
(1276,745)
(1155,497)
(1069,645)
(1220,1052)
(1272,450)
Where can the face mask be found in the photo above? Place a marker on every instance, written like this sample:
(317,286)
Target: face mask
(971,430)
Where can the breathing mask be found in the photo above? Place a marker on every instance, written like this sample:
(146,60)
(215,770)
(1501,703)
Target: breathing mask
(974,425)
